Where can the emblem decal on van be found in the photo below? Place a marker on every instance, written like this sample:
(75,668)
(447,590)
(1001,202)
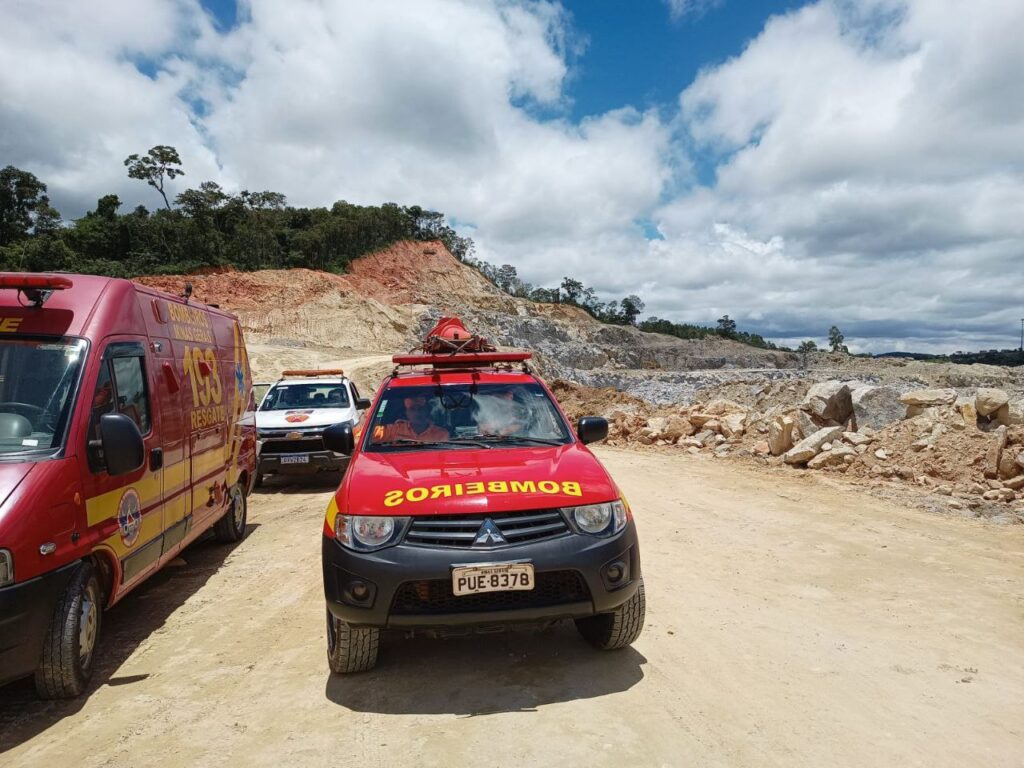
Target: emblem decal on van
(129,517)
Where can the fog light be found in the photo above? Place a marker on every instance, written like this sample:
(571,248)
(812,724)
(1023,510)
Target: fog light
(359,590)
(615,572)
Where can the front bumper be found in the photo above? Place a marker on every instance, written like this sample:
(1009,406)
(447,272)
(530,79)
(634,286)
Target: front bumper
(25,613)
(319,461)
(574,563)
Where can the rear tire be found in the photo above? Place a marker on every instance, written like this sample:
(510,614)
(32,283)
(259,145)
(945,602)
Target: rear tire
(351,649)
(69,651)
(258,480)
(231,527)
(609,631)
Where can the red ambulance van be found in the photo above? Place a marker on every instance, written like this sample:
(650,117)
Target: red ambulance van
(126,431)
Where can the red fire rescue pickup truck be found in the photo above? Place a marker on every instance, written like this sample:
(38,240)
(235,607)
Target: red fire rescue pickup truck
(125,432)
(470,502)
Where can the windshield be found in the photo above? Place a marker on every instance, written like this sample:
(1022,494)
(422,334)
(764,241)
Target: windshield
(464,415)
(37,385)
(286,397)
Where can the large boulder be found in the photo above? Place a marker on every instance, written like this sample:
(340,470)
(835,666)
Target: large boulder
(876,407)
(925,398)
(732,424)
(994,453)
(1015,411)
(810,447)
(988,401)
(780,435)
(829,400)
(832,458)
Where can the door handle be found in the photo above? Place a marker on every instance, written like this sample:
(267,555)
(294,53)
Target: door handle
(156,459)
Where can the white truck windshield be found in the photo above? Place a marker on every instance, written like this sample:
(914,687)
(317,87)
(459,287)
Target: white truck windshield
(285,397)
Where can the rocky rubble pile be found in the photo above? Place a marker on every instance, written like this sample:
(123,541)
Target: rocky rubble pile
(967,449)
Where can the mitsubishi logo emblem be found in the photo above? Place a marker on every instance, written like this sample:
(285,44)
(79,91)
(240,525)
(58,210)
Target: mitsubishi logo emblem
(488,535)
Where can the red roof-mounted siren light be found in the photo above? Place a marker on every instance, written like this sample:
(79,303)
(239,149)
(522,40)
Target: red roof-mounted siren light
(449,344)
(35,288)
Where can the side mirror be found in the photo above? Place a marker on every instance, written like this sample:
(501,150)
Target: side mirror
(591,429)
(123,448)
(339,438)
(362,403)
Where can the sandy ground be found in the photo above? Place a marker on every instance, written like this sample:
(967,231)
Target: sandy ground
(790,623)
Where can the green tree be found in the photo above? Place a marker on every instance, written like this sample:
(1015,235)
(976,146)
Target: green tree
(835,340)
(572,290)
(807,346)
(726,327)
(631,307)
(24,206)
(506,278)
(159,163)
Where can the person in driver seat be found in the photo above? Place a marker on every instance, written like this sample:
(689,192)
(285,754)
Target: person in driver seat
(417,424)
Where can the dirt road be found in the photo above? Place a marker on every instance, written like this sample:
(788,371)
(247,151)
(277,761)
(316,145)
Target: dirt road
(789,623)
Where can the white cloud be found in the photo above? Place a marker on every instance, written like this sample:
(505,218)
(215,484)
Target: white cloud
(679,9)
(868,158)
(883,145)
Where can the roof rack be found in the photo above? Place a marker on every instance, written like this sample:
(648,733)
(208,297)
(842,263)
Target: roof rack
(312,373)
(449,345)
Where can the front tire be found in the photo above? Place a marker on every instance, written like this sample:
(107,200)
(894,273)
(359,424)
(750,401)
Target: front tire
(609,631)
(351,649)
(69,651)
(231,527)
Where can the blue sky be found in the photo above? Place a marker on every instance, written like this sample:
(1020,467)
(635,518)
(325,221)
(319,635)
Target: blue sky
(792,164)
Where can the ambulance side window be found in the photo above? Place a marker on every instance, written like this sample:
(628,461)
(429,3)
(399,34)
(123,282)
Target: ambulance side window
(131,390)
(120,388)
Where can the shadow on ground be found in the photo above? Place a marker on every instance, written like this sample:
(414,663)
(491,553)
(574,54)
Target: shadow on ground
(291,484)
(23,716)
(486,674)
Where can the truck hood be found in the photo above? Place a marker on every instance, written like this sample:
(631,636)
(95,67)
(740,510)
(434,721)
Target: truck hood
(473,481)
(11,476)
(302,418)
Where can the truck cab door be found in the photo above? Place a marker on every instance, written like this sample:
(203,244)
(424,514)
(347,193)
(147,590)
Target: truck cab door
(126,511)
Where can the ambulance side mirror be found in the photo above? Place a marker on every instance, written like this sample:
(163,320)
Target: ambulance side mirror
(339,438)
(123,448)
(592,429)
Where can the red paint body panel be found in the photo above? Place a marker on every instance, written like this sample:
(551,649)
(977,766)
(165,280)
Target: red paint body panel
(47,500)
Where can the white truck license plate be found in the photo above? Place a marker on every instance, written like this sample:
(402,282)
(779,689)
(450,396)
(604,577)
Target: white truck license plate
(295,459)
(503,577)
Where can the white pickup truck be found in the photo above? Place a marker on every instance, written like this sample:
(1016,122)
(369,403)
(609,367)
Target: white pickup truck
(293,415)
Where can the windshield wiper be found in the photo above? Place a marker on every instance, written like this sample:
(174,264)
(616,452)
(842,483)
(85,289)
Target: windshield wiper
(518,439)
(405,441)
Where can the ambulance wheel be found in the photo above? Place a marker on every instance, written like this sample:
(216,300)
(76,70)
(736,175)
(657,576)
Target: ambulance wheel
(231,527)
(351,649)
(618,629)
(70,645)
(258,480)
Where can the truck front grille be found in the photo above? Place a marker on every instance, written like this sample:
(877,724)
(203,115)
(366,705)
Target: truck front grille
(435,596)
(462,530)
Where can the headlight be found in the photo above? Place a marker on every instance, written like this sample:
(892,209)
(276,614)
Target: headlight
(366,533)
(604,519)
(6,568)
